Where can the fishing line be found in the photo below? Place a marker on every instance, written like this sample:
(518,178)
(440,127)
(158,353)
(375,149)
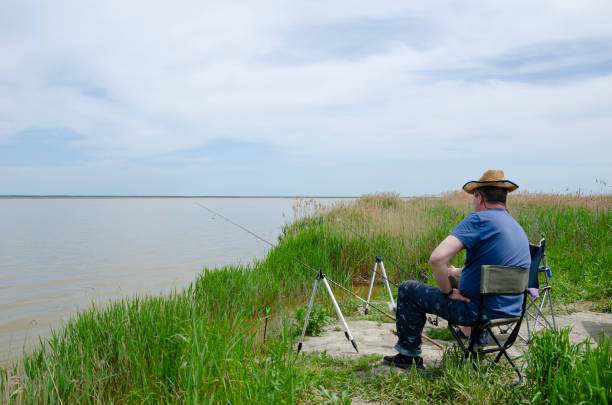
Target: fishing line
(431,320)
(435,321)
(312,269)
(378,252)
(294,258)
(359,261)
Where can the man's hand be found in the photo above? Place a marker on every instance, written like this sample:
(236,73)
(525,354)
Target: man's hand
(454,272)
(456,296)
(454,275)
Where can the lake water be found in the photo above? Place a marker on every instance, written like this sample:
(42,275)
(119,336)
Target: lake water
(62,254)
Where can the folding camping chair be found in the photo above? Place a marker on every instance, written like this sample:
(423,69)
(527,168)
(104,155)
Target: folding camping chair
(539,294)
(497,280)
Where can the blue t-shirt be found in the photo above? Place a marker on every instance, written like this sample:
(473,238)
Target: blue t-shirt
(492,237)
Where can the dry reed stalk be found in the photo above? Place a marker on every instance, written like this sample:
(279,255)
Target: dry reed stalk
(592,202)
(14,388)
(387,215)
(303,208)
(373,216)
(463,200)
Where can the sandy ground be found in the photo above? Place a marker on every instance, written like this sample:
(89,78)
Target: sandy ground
(377,338)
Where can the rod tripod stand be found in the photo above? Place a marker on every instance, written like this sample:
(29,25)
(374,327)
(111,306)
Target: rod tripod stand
(379,262)
(347,332)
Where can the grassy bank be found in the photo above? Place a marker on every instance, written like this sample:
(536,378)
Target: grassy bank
(205,344)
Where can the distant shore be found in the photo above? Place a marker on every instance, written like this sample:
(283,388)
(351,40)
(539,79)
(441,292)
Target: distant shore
(168,196)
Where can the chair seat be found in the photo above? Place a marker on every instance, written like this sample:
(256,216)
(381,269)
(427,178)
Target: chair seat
(502,321)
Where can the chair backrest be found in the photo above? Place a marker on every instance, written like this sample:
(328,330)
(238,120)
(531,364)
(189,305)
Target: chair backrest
(503,280)
(537,251)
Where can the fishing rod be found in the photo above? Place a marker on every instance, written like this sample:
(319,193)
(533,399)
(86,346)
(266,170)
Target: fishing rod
(379,253)
(356,259)
(293,257)
(374,272)
(320,275)
(379,260)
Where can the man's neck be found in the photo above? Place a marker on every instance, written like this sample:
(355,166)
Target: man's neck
(489,206)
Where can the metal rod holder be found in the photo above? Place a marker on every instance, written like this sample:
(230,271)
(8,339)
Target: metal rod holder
(347,332)
(379,262)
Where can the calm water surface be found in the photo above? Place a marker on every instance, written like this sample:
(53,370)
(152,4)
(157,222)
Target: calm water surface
(59,255)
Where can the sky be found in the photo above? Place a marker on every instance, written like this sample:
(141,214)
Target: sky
(311,98)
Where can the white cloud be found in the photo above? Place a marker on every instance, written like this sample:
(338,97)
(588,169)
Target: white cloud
(141,79)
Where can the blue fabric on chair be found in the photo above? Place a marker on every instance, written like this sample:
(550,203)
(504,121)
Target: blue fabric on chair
(540,293)
(536,257)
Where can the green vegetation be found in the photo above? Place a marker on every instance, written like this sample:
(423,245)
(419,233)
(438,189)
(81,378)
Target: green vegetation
(367,379)
(205,344)
(562,372)
(440,334)
(557,372)
(317,320)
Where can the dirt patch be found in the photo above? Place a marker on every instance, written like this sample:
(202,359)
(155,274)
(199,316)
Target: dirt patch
(378,338)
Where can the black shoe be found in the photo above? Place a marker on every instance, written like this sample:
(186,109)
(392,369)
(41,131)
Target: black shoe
(401,361)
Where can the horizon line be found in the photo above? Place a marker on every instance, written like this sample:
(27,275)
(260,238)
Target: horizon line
(165,196)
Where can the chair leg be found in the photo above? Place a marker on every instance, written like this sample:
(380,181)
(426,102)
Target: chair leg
(532,303)
(457,337)
(498,345)
(548,291)
(537,320)
(502,351)
(469,354)
(546,294)
(552,310)
(516,369)
(467,351)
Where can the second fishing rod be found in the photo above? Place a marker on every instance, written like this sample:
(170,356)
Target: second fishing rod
(319,276)
(381,256)
(376,271)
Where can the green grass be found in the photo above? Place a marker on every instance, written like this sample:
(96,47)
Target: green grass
(205,344)
(159,350)
(369,380)
(557,372)
(440,334)
(578,246)
(562,372)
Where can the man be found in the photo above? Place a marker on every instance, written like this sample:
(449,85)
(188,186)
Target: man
(491,236)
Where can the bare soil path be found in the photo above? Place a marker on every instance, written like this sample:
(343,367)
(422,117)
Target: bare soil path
(377,338)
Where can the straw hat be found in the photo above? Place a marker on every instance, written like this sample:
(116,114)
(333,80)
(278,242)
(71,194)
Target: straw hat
(491,178)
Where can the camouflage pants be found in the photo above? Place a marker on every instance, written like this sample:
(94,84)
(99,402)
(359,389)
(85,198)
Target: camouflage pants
(414,301)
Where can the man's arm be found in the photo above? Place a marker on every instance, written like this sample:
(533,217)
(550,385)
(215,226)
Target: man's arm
(439,264)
